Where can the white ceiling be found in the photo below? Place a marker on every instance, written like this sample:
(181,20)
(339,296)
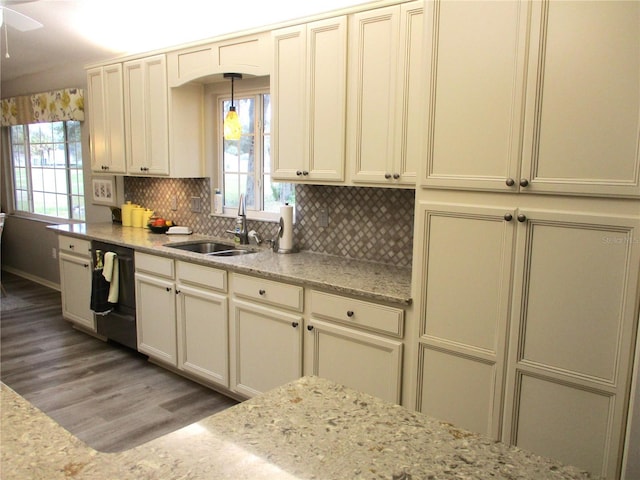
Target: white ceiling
(119,27)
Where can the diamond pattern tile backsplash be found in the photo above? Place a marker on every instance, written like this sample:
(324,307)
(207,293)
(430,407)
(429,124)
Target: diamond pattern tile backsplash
(374,224)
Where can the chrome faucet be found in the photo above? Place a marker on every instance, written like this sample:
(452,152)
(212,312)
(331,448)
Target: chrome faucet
(241,233)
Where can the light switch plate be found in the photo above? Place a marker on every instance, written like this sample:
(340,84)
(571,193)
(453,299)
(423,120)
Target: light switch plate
(196,204)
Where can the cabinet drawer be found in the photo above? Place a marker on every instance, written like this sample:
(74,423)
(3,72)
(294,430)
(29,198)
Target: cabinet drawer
(153,264)
(357,313)
(74,245)
(267,291)
(201,276)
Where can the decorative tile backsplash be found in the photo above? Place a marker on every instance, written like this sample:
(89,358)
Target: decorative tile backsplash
(374,224)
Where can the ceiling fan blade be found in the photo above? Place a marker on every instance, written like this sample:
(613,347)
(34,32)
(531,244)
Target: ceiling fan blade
(19,21)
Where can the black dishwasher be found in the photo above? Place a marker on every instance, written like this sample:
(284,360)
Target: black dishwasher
(119,323)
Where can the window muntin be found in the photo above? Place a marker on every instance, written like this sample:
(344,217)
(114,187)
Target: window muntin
(46,163)
(246,163)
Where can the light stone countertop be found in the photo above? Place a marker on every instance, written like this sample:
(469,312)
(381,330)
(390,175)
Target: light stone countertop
(369,280)
(311,428)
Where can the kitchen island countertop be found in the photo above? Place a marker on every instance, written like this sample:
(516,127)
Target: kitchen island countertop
(369,280)
(308,429)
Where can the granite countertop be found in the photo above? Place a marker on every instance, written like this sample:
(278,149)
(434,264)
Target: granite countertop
(370,280)
(311,428)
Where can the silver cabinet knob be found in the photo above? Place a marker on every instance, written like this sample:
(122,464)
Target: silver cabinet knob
(508,217)
(522,218)
(262,291)
(396,176)
(387,176)
(524,182)
(350,313)
(299,173)
(510,182)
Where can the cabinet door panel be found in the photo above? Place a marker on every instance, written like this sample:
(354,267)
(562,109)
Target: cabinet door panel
(156,318)
(156,134)
(572,328)
(287,101)
(359,360)
(75,279)
(266,348)
(474,100)
(135,117)
(374,40)
(466,271)
(203,334)
(114,99)
(585,72)
(326,90)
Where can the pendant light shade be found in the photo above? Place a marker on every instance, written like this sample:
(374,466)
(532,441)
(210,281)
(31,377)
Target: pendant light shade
(232,127)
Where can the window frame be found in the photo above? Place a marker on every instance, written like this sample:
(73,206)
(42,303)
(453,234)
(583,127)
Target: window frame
(220,98)
(68,169)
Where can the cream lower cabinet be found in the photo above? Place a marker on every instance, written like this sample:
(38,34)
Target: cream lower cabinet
(202,322)
(349,343)
(156,308)
(75,281)
(182,316)
(265,334)
(527,326)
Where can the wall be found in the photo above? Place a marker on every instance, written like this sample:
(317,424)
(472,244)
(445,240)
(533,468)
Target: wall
(374,224)
(26,244)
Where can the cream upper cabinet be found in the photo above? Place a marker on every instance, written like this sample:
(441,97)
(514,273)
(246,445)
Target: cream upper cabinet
(582,131)
(164,126)
(146,114)
(384,121)
(556,110)
(106,126)
(308,95)
(248,54)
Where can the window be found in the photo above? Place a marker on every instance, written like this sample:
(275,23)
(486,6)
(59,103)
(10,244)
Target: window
(246,163)
(46,163)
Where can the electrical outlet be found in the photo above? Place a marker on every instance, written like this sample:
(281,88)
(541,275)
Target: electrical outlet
(323,218)
(54,253)
(196,204)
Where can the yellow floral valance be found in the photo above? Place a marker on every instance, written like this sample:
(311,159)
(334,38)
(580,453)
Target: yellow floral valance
(53,106)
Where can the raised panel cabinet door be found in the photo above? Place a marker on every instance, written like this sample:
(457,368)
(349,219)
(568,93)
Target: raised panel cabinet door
(572,333)
(203,334)
(75,288)
(474,63)
(266,348)
(114,109)
(326,98)
(156,318)
(583,129)
(157,115)
(288,107)
(409,109)
(97,119)
(135,118)
(106,125)
(466,266)
(369,363)
(373,51)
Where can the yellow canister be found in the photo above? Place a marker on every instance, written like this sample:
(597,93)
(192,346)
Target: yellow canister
(137,214)
(126,214)
(146,216)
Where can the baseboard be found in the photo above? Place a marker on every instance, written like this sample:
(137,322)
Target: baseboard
(33,278)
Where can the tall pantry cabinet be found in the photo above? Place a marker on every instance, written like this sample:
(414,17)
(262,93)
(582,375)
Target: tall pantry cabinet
(527,259)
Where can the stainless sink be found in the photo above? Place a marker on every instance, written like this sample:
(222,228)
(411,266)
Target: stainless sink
(211,248)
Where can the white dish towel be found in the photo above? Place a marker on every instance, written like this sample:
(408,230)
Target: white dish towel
(111,274)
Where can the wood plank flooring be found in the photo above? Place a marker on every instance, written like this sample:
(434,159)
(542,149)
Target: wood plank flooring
(107,395)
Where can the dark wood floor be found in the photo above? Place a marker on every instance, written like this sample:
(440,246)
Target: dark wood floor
(109,396)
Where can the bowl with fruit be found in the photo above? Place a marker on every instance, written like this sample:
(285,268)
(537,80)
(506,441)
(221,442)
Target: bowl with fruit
(159,225)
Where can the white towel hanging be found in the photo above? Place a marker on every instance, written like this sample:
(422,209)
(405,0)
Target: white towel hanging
(111,274)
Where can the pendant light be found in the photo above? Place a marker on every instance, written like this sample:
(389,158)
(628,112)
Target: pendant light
(232,127)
